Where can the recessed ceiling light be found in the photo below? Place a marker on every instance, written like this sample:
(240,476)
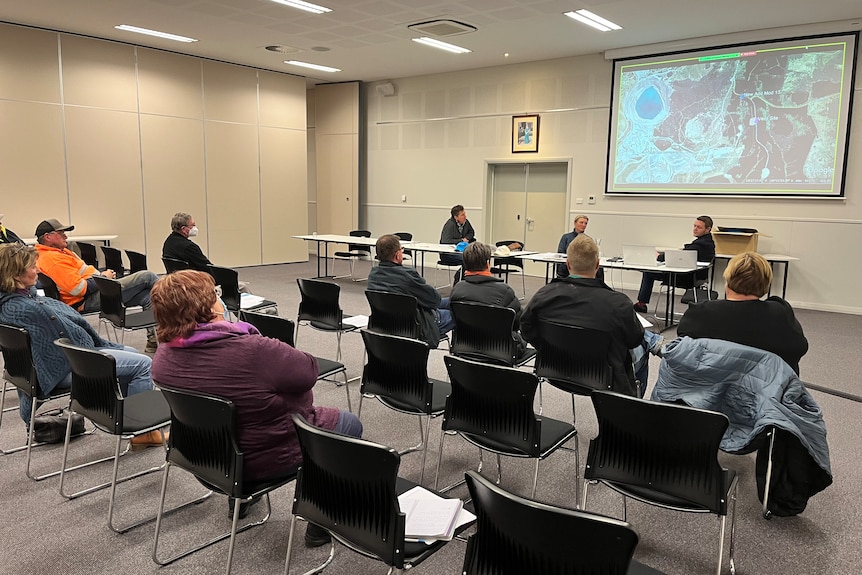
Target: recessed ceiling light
(156,33)
(312,66)
(594,20)
(442,45)
(307,6)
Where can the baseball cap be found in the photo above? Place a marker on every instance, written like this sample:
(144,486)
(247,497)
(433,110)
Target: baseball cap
(48,226)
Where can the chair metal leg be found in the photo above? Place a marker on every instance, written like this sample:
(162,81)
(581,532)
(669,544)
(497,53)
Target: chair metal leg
(733,527)
(3,401)
(536,479)
(425,443)
(767,514)
(347,391)
(30,446)
(421,441)
(319,568)
(64,469)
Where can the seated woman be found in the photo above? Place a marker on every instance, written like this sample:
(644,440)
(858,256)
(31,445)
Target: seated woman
(47,319)
(744,317)
(266,379)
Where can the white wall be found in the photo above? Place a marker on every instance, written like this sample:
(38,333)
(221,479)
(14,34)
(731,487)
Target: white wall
(440,163)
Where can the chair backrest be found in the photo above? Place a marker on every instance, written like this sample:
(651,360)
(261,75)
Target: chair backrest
(573,358)
(174,265)
(484,333)
(493,403)
(669,448)
(88,254)
(49,287)
(347,486)
(228,279)
(280,328)
(397,369)
(18,366)
(203,439)
(114,260)
(319,303)
(517,535)
(95,390)
(137,261)
(111,303)
(393,313)
(509,262)
(360,247)
(405,237)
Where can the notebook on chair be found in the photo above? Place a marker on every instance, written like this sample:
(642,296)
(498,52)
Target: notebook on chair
(686,259)
(639,255)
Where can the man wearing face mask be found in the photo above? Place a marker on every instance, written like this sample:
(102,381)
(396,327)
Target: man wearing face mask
(178,246)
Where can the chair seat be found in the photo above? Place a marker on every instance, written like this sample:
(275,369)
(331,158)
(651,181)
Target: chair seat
(140,320)
(440,390)
(654,497)
(554,434)
(265,304)
(327,367)
(145,410)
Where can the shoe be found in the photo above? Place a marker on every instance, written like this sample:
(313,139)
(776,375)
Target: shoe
(243,507)
(152,346)
(640,307)
(150,439)
(657,346)
(316,536)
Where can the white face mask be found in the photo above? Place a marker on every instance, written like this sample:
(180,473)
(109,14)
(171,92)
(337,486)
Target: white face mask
(193,232)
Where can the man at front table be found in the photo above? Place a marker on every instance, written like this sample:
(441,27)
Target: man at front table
(457,229)
(703,244)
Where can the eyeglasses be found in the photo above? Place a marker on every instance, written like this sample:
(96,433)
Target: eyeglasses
(18,249)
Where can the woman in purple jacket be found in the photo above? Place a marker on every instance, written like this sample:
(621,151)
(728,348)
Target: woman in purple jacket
(266,379)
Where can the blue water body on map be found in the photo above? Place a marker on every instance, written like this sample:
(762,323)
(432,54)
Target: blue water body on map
(649,104)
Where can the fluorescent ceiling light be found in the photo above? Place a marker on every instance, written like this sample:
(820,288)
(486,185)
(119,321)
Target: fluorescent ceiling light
(307,6)
(594,20)
(312,66)
(442,45)
(156,33)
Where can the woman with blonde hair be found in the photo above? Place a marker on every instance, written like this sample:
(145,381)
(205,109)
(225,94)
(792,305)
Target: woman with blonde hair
(744,317)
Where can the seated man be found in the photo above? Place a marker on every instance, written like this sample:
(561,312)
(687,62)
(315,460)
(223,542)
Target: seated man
(435,318)
(584,301)
(178,246)
(457,229)
(74,278)
(7,236)
(580,227)
(705,248)
(479,286)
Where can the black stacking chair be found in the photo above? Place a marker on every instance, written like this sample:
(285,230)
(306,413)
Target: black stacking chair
(319,308)
(88,254)
(407,254)
(517,535)
(137,261)
(350,487)
(228,280)
(282,329)
(504,265)
(174,265)
(395,314)
(355,252)
(664,455)
(114,260)
(484,333)
(492,407)
(20,371)
(49,287)
(203,441)
(96,395)
(113,310)
(397,374)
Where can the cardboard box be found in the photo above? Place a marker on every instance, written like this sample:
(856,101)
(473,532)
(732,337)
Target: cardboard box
(732,243)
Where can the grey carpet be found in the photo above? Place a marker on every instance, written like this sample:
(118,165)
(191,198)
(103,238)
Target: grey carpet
(43,533)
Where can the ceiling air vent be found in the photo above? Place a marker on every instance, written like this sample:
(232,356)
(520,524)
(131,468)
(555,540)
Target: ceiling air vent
(442,28)
(282,49)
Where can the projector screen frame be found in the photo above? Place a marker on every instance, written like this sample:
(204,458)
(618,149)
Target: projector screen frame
(779,190)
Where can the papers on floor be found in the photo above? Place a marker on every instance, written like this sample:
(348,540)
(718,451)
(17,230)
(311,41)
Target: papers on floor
(430,517)
(358,321)
(248,301)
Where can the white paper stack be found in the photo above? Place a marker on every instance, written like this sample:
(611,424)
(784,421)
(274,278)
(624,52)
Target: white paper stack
(430,517)
(248,301)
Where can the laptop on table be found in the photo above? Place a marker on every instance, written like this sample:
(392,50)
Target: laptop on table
(639,255)
(685,259)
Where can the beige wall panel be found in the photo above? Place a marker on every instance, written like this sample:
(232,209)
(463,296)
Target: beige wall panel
(32,166)
(230,93)
(29,65)
(104,159)
(337,212)
(233,196)
(337,108)
(172,152)
(283,194)
(98,73)
(282,101)
(170,84)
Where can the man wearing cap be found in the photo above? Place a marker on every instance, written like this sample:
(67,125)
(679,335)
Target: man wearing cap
(74,278)
(7,236)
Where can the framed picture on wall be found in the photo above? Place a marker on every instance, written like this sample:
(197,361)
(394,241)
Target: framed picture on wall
(525,133)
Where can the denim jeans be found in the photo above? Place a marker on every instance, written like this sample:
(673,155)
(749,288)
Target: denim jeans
(348,424)
(640,358)
(136,291)
(649,278)
(133,373)
(445,321)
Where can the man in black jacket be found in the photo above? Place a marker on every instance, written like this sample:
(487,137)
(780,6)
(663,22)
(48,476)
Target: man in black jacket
(457,229)
(584,301)
(178,246)
(435,318)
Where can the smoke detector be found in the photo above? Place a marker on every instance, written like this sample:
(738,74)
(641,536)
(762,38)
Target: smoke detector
(442,27)
(282,49)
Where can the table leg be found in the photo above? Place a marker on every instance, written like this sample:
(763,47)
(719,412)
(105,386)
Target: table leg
(784,285)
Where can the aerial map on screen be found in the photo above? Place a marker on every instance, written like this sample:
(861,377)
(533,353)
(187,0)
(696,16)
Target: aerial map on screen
(760,120)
